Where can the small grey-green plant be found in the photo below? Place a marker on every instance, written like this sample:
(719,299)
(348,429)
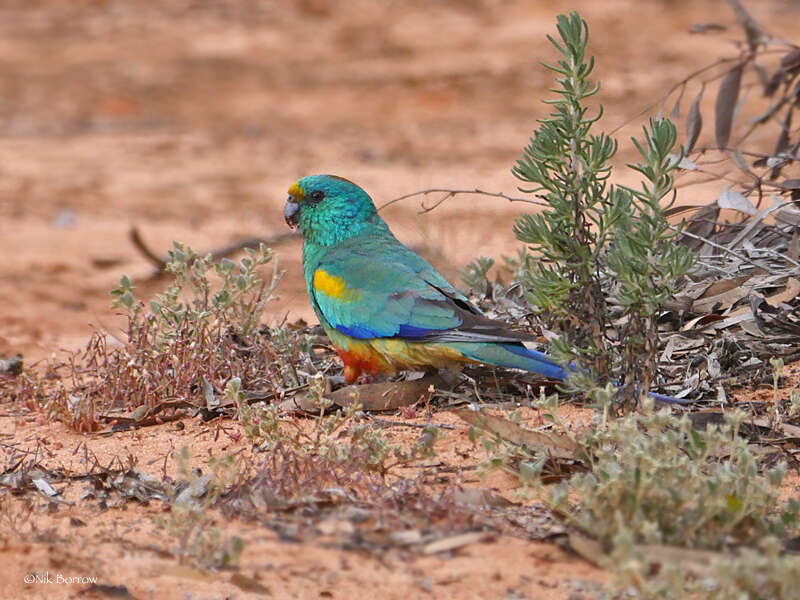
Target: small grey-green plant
(794,402)
(202,330)
(782,411)
(190,297)
(259,421)
(475,274)
(518,460)
(191,518)
(761,573)
(654,479)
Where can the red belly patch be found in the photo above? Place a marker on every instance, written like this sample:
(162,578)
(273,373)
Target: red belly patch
(361,360)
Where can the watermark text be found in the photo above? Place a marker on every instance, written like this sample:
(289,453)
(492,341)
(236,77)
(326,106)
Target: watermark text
(58,578)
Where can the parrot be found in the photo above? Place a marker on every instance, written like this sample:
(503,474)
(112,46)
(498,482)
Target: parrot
(384,307)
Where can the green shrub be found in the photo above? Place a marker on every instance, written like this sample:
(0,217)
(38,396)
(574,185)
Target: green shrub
(597,239)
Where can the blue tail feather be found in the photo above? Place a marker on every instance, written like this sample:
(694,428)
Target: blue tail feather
(517,356)
(538,362)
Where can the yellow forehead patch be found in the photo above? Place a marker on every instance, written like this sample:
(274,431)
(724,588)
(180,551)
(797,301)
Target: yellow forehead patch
(333,287)
(296,191)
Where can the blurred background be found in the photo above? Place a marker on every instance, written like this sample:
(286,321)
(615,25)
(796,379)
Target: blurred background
(189,119)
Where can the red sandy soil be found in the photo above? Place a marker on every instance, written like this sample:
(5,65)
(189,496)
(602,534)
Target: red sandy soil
(189,120)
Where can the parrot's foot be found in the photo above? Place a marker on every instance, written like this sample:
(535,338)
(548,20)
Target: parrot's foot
(355,375)
(336,379)
(351,374)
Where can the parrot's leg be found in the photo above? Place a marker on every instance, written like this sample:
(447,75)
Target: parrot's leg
(354,374)
(351,373)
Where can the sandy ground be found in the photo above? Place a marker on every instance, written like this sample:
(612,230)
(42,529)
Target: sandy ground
(126,547)
(189,120)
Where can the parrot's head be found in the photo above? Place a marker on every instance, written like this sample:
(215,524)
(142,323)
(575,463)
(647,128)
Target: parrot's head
(328,209)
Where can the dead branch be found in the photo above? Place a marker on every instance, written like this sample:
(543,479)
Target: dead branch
(216,254)
(449,193)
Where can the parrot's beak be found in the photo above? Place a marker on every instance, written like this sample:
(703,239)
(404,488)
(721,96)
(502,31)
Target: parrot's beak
(291,211)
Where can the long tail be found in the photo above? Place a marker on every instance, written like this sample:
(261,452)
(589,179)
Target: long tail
(517,356)
(514,356)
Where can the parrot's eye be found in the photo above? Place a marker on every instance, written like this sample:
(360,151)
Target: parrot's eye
(316,196)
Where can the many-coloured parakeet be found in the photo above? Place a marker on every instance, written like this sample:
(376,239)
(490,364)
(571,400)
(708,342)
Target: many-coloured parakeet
(384,307)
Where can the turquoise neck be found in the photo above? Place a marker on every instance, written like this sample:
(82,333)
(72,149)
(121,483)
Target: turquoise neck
(338,228)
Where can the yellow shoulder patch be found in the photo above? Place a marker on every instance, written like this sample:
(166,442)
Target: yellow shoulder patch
(296,191)
(333,287)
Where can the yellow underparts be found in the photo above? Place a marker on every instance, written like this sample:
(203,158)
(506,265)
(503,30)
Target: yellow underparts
(334,287)
(389,355)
